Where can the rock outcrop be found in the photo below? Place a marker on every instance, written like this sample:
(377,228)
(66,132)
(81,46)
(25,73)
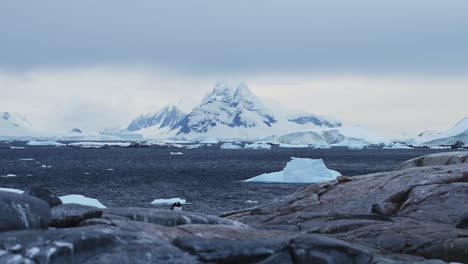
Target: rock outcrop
(416,215)
(439,159)
(419,211)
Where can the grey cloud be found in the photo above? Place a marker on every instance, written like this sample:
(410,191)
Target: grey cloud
(422,36)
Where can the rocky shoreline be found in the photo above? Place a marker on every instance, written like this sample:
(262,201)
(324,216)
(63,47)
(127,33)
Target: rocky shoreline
(418,214)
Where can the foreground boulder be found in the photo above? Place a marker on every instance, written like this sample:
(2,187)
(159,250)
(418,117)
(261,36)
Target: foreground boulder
(164,217)
(49,197)
(70,215)
(19,211)
(414,211)
(438,159)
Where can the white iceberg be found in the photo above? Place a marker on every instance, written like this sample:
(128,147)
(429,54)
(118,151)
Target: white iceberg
(44,143)
(168,201)
(299,170)
(398,146)
(11,190)
(257,145)
(208,140)
(283,145)
(176,153)
(230,146)
(80,199)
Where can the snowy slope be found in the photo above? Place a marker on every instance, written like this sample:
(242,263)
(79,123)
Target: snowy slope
(167,117)
(459,132)
(14,125)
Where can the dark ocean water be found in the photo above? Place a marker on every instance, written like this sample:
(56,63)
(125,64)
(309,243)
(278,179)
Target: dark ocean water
(209,178)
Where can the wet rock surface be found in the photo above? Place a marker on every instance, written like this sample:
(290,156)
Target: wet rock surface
(418,211)
(18,211)
(49,197)
(417,215)
(439,159)
(70,215)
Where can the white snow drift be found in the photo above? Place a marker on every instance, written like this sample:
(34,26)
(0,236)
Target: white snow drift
(80,199)
(168,201)
(299,170)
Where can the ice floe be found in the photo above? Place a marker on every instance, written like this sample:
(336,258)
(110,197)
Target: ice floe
(80,199)
(257,145)
(8,175)
(176,153)
(230,146)
(169,201)
(299,170)
(398,146)
(282,145)
(45,143)
(100,144)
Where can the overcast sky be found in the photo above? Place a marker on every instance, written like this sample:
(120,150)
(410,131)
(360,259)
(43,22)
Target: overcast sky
(392,66)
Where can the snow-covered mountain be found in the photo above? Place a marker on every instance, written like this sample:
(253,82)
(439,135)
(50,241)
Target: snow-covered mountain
(167,117)
(225,109)
(459,132)
(227,112)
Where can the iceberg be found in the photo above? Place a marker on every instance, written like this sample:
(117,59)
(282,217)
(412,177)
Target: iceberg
(283,145)
(230,146)
(208,140)
(398,146)
(80,199)
(176,153)
(169,201)
(257,145)
(299,170)
(100,144)
(44,143)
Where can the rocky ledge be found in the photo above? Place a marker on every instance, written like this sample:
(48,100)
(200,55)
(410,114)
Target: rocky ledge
(414,215)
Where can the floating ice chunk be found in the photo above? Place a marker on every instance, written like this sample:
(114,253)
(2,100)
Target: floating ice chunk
(208,140)
(11,190)
(100,144)
(27,159)
(80,199)
(176,153)
(8,175)
(110,169)
(169,201)
(230,146)
(17,148)
(44,143)
(251,202)
(257,145)
(398,146)
(282,145)
(440,147)
(193,146)
(299,170)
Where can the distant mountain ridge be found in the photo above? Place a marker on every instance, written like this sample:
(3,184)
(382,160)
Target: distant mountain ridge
(458,133)
(228,111)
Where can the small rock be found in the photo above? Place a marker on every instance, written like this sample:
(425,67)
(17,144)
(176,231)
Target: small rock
(342,179)
(70,215)
(45,195)
(463,223)
(19,211)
